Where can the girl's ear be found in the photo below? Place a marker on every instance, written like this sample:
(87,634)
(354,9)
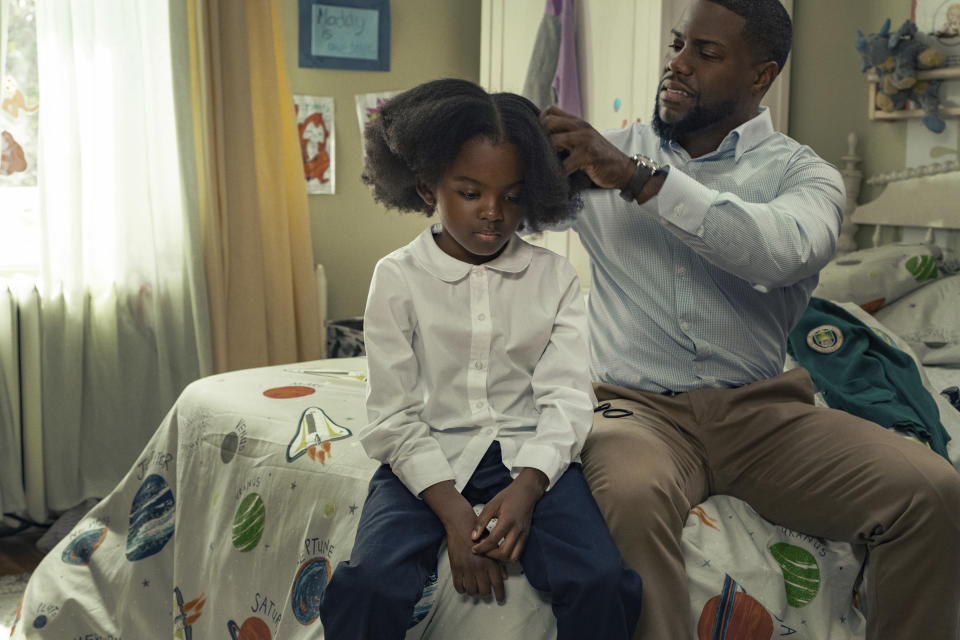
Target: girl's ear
(426,193)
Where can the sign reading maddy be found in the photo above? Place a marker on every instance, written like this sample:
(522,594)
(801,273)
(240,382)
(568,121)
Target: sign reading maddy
(345,34)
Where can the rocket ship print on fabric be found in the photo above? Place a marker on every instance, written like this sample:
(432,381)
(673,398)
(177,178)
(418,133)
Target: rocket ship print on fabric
(315,431)
(186,614)
(704,517)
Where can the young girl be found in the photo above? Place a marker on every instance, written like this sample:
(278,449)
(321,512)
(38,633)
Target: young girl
(478,383)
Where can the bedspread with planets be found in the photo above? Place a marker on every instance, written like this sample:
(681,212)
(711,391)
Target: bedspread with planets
(230,522)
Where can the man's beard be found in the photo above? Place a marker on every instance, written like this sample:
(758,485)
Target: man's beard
(699,118)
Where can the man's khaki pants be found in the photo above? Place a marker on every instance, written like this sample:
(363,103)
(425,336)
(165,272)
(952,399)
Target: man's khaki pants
(819,471)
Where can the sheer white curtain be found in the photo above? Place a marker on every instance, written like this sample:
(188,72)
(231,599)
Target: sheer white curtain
(123,315)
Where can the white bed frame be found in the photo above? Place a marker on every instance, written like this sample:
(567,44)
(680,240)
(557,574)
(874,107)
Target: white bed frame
(919,204)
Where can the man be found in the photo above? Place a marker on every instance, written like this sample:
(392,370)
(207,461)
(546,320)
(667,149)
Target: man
(705,248)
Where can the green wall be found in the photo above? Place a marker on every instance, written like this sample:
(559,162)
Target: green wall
(436,38)
(828,92)
(429,39)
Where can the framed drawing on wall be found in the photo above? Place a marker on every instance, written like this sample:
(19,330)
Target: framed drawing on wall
(345,34)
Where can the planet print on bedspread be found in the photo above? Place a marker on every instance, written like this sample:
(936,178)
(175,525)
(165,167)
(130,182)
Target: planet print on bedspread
(801,574)
(151,518)
(248,522)
(308,587)
(81,549)
(251,629)
(288,392)
(734,615)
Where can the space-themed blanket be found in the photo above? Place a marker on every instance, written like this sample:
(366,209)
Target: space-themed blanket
(229,523)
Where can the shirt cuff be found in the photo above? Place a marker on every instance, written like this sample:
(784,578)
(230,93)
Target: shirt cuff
(684,202)
(542,457)
(422,471)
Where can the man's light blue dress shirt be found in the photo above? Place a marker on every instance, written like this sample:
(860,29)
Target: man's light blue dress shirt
(699,286)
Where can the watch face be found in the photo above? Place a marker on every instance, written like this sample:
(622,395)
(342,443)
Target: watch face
(647,163)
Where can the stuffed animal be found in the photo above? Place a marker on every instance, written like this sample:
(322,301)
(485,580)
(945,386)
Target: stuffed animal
(896,57)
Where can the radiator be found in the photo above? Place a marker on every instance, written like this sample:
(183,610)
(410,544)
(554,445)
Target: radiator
(35,479)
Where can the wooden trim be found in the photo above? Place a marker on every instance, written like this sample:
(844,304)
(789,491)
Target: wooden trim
(904,114)
(943,73)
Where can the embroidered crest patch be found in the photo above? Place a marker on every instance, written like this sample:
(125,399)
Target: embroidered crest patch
(825,338)
(884,336)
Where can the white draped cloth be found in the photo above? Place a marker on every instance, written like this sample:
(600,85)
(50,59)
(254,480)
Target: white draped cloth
(123,318)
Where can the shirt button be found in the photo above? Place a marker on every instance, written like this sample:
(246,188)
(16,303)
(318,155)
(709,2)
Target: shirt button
(480,404)
(685,325)
(482,316)
(488,431)
(680,209)
(478,364)
(681,271)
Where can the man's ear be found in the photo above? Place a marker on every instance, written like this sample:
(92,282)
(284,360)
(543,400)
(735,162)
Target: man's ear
(426,193)
(764,75)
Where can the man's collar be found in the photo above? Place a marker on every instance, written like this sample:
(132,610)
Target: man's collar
(751,133)
(514,258)
(742,138)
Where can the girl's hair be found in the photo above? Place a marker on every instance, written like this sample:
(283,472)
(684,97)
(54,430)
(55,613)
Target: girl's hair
(418,134)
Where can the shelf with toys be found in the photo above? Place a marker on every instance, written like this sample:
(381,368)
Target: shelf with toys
(943,73)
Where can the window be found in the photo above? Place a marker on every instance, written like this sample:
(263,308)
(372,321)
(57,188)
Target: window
(19,117)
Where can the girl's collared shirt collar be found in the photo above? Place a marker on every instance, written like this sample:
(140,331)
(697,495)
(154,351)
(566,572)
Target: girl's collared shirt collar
(514,258)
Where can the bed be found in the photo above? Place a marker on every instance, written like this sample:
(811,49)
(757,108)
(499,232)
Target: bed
(230,522)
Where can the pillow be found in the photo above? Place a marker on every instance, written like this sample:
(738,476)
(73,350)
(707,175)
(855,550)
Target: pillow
(873,278)
(927,320)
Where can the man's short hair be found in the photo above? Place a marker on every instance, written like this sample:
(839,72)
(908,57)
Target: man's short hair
(768,29)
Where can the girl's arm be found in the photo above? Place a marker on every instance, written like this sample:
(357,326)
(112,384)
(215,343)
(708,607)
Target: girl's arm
(396,435)
(563,395)
(564,401)
(513,509)
(472,574)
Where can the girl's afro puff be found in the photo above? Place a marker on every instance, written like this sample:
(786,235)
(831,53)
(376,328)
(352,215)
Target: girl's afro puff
(418,134)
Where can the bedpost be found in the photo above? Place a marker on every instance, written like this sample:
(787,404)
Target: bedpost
(851,182)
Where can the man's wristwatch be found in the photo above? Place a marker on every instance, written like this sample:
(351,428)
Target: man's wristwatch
(646,169)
